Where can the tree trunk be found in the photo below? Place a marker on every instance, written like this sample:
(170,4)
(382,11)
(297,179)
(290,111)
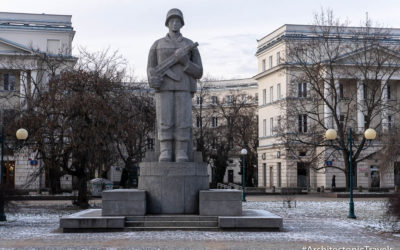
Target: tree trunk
(2,202)
(83,201)
(54,181)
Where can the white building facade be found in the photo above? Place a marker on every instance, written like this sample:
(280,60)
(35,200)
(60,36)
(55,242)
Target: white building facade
(282,166)
(23,37)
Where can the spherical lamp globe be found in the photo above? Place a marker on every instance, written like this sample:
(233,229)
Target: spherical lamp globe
(370,134)
(330,134)
(22,134)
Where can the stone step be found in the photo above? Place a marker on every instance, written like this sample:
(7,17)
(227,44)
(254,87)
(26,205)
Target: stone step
(171,224)
(172,218)
(172,228)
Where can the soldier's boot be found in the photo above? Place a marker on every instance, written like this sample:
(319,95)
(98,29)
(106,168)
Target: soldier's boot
(165,151)
(181,151)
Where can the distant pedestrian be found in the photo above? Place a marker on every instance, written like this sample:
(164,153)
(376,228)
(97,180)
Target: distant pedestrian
(333,182)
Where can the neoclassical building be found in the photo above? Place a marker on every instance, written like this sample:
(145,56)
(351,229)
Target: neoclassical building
(291,107)
(24,38)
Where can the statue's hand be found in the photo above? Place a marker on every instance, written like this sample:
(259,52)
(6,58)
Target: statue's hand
(181,56)
(155,81)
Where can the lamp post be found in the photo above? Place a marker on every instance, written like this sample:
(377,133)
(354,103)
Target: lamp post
(21,134)
(331,135)
(243,152)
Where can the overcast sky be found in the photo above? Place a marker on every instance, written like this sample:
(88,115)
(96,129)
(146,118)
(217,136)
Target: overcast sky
(227,30)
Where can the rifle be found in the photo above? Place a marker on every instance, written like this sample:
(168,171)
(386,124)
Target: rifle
(164,68)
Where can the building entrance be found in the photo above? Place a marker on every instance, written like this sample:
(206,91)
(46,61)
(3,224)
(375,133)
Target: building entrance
(375,177)
(10,173)
(230,176)
(271,178)
(265,174)
(397,173)
(303,174)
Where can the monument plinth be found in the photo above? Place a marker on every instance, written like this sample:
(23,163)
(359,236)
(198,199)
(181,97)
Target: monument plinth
(173,187)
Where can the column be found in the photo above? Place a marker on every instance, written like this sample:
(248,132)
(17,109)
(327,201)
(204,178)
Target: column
(360,106)
(34,80)
(23,86)
(328,100)
(337,88)
(384,108)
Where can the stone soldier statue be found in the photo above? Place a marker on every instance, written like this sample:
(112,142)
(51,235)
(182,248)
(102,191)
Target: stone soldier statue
(173,66)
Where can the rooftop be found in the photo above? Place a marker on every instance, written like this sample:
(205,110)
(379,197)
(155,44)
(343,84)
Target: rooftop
(233,83)
(309,31)
(35,21)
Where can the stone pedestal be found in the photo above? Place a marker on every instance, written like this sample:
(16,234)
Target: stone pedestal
(173,187)
(124,202)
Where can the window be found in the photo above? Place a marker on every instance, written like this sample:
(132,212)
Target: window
(263,65)
(199,122)
(302,124)
(9,82)
(270,61)
(199,100)
(214,99)
(264,96)
(279,124)
(214,122)
(341,120)
(365,89)
(278,58)
(264,127)
(150,143)
(365,122)
(229,99)
(271,94)
(279,174)
(278,91)
(271,126)
(389,122)
(341,93)
(256,97)
(388,92)
(9,116)
(53,46)
(302,89)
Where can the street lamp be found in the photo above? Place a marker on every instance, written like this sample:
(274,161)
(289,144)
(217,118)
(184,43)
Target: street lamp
(243,152)
(331,135)
(21,134)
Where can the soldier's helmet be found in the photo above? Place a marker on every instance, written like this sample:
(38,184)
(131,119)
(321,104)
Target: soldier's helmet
(176,13)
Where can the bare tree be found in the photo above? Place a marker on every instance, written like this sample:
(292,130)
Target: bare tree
(85,119)
(223,127)
(329,71)
(135,113)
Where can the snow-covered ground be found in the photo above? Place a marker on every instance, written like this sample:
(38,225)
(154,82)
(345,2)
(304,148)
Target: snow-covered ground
(311,223)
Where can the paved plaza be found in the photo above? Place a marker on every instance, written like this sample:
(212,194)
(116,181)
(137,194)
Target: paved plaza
(311,223)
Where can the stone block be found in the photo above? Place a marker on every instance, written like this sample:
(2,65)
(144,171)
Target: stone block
(173,187)
(124,202)
(91,219)
(124,194)
(220,195)
(220,202)
(252,219)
